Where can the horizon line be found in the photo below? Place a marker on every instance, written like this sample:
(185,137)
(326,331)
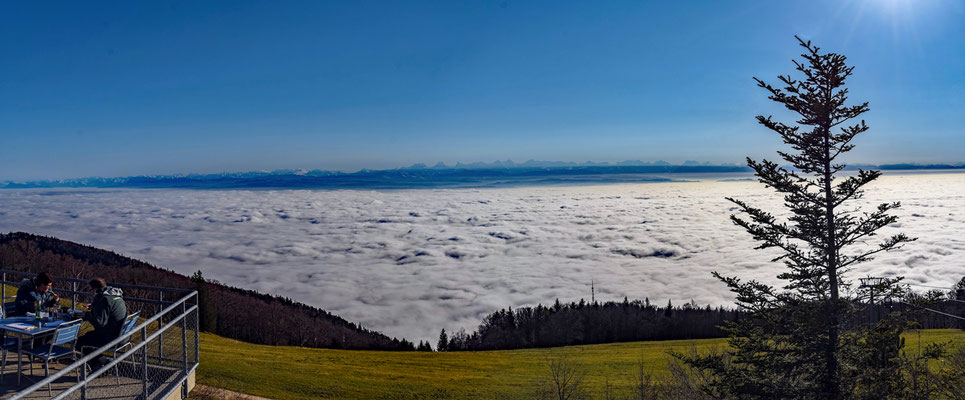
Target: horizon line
(474,166)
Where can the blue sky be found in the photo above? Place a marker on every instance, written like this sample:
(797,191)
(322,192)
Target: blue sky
(128,88)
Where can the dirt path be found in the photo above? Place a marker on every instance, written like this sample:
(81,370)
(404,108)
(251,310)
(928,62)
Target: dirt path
(208,392)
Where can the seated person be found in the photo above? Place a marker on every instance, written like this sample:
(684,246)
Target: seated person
(106,313)
(33,292)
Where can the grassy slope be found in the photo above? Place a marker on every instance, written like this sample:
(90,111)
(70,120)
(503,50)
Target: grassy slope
(298,373)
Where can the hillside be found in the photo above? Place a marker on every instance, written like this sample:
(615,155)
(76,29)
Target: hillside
(225,310)
(298,373)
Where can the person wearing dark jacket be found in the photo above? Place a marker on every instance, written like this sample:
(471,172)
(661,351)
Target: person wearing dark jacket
(106,313)
(33,292)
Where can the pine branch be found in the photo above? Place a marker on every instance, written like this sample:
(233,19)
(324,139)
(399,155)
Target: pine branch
(870,224)
(851,187)
(893,243)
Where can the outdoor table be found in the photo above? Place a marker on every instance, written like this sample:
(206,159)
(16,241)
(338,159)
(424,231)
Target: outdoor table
(47,328)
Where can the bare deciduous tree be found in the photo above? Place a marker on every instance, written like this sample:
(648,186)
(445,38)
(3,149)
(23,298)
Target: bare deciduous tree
(564,379)
(645,387)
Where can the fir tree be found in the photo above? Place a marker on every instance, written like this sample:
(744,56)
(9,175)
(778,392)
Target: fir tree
(443,344)
(958,291)
(958,294)
(793,343)
(207,318)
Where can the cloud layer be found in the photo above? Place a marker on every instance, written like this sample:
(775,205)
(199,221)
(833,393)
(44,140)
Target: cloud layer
(410,262)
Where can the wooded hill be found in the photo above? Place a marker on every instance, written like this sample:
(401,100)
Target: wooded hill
(581,323)
(584,323)
(226,311)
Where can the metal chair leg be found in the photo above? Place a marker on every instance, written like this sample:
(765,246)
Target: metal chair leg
(117,371)
(47,374)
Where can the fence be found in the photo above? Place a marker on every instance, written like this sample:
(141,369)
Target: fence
(155,360)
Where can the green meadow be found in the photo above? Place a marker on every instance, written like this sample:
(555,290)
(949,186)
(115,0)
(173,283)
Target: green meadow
(300,373)
(284,372)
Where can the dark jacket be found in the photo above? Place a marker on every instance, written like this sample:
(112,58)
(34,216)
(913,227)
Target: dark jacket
(27,298)
(107,312)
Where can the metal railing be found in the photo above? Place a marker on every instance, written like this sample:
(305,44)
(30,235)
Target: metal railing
(153,361)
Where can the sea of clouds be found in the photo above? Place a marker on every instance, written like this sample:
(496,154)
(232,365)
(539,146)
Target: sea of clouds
(410,262)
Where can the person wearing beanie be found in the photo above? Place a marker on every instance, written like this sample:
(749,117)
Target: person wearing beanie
(33,292)
(106,314)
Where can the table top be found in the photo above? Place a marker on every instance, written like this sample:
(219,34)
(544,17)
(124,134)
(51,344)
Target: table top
(47,328)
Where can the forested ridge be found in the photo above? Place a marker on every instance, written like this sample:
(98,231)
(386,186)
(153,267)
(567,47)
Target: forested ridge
(578,323)
(226,311)
(581,323)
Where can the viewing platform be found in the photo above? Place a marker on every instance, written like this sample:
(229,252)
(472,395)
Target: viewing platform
(155,359)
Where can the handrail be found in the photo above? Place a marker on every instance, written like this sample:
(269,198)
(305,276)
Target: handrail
(108,366)
(114,284)
(80,363)
(126,298)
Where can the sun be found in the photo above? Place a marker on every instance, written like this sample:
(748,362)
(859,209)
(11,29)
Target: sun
(902,19)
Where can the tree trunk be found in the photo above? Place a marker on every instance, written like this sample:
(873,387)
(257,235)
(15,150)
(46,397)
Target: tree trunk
(832,385)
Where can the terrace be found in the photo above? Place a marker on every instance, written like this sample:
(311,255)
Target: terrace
(159,363)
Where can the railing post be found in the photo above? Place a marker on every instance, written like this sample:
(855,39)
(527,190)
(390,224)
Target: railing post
(144,361)
(184,347)
(73,295)
(160,307)
(197,329)
(82,380)
(3,290)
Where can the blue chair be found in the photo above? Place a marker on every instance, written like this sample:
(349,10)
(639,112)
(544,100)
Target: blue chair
(65,334)
(8,344)
(129,323)
(9,308)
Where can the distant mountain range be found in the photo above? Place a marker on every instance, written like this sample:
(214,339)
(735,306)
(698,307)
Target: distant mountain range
(495,174)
